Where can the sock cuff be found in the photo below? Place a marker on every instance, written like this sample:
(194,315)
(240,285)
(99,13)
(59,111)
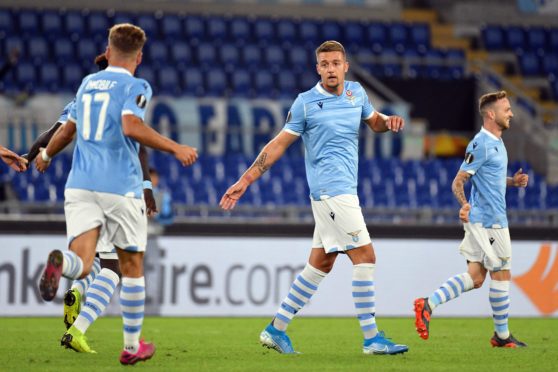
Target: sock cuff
(502,285)
(314,270)
(133,281)
(467,281)
(363,271)
(313,274)
(110,274)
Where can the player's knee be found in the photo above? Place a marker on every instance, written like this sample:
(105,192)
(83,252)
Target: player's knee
(477,282)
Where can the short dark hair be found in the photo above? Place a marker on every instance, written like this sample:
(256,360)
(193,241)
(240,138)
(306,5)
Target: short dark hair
(330,46)
(489,98)
(127,38)
(101,61)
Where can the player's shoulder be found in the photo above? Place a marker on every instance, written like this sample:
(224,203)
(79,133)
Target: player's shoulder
(353,86)
(141,84)
(479,140)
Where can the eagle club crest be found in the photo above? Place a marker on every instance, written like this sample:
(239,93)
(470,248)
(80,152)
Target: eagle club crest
(354,235)
(350,96)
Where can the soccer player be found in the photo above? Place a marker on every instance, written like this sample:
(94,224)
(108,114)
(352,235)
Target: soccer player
(328,118)
(486,245)
(106,263)
(13,160)
(104,187)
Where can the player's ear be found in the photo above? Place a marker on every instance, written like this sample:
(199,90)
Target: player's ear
(139,57)
(346,66)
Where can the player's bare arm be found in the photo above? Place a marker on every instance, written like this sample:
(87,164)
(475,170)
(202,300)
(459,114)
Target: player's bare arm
(147,191)
(42,141)
(380,123)
(133,127)
(61,138)
(519,179)
(458,188)
(267,157)
(15,161)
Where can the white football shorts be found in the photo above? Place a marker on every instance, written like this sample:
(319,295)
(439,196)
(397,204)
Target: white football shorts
(340,224)
(105,249)
(490,247)
(123,219)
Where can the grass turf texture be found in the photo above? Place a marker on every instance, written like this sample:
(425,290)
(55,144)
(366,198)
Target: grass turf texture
(327,344)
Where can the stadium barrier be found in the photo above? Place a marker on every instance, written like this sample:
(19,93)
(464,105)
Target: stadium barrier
(249,276)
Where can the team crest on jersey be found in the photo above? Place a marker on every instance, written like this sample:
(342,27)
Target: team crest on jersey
(350,96)
(141,101)
(354,235)
(469,158)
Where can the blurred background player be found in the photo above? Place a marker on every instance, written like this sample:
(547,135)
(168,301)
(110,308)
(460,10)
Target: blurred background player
(486,245)
(104,187)
(106,262)
(328,118)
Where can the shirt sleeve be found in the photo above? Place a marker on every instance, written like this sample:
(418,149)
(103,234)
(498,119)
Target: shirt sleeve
(69,112)
(475,157)
(296,118)
(137,99)
(367,108)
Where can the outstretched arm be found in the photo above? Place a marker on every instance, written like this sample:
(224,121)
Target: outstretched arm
(147,187)
(42,141)
(267,157)
(458,188)
(133,127)
(15,161)
(57,143)
(380,123)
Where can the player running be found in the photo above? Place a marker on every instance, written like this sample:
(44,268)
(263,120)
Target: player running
(104,187)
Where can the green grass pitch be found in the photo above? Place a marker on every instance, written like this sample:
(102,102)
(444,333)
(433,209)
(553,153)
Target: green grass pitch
(327,344)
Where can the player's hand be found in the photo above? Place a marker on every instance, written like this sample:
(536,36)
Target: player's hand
(520,179)
(464,212)
(14,161)
(41,164)
(186,155)
(395,123)
(150,202)
(228,201)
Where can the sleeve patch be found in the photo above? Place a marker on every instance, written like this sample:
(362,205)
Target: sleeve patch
(141,101)
(469,158)
(289,117)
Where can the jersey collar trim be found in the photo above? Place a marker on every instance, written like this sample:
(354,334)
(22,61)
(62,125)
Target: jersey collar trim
(121,70)
(483,130)
(321,90)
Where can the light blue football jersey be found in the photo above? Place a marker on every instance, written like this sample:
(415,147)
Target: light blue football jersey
(329,126)
(486,159)
(64,115)
(105,160)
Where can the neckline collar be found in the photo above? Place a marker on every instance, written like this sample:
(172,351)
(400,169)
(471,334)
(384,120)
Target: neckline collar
(117,69)
(484,130)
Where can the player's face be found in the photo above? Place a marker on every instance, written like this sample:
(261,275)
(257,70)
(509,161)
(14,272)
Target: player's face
(332,67)
(503,113)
